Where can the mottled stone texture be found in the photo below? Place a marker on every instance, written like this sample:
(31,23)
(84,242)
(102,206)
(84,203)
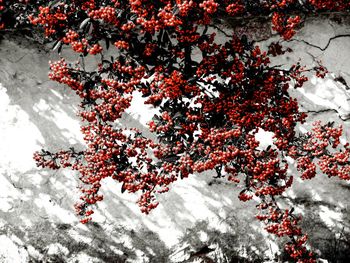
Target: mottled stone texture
(200,219)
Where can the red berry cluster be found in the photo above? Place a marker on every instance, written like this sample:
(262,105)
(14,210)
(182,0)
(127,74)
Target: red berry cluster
(285,25)
(209,6)
(235,8)
(106,14)
(60,73)
(53,20)
(320,144)
(338,5)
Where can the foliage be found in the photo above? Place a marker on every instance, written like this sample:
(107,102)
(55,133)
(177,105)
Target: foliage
(210,105)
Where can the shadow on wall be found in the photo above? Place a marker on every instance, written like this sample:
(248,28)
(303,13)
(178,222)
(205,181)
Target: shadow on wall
(36,205)
(327,226)
(24,70)
(58,242)
(36,210)
(200,219)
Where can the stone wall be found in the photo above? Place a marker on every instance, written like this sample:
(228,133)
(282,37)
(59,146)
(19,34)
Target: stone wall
(200,219)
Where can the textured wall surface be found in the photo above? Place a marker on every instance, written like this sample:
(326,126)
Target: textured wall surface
(199,214)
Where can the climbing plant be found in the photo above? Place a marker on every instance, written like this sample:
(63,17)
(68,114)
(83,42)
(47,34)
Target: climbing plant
(212,95)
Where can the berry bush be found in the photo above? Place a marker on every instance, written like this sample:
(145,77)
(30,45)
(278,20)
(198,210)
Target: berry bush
(210,105)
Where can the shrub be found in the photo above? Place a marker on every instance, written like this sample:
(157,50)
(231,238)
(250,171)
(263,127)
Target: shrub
(210,105)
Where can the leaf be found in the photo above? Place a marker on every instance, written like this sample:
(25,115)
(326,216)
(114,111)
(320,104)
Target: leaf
(192,80)
(166,38)
(88,28)
(57,46)
(330,124)
(133,17)
(148,37)
(123,188)
(247,181)
(119,13)
(54,3)
(107,43)
(145,95)
(156,118)
(177,114)
(171,158)
(84,23)
(160,37)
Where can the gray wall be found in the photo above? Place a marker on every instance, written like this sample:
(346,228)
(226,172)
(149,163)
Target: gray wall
(37,218)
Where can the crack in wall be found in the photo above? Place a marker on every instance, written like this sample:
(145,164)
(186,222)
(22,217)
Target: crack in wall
(318,47)
(343,118)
